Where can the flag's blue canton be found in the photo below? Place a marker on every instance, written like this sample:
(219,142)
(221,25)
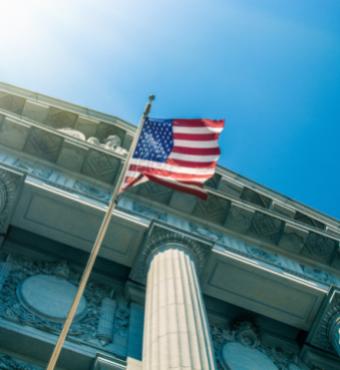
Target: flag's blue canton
(155,142)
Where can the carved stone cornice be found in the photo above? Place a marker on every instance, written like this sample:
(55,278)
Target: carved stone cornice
(160,237)
(325,331)
(55,132)
(10,185)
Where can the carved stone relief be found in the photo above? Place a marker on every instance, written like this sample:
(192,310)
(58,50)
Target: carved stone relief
(266,227)
(39,294)
(240,348)
(319,246)
(49,296)
(9,362)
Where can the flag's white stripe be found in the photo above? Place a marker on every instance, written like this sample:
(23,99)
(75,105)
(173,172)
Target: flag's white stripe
(194,158)
(132,174)
(196,143)
(196,130)
(172,168)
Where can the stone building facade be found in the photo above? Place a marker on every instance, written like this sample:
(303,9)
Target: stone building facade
(247,280)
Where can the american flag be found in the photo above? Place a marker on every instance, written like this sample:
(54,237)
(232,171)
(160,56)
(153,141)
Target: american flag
(179,153)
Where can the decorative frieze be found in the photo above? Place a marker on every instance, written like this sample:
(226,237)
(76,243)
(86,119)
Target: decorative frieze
(291,237)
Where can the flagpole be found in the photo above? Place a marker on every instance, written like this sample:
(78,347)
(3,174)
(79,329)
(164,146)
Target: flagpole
(97,244)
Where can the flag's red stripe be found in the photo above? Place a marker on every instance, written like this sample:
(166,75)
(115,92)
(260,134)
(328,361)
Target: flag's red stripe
(195,137)
(181,163)
(198,192)
(198,123)
(195,151)
(172,174)
(130,181)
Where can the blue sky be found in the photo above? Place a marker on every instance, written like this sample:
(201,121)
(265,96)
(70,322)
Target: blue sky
(270,68)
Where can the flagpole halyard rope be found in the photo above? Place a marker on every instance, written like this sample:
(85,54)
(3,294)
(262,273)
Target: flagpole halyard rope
(96,247)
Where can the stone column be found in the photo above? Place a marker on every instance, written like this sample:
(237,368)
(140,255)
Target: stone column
(176,331)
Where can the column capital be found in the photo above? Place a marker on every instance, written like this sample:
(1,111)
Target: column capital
(325,333)
(162,237)
(334,332)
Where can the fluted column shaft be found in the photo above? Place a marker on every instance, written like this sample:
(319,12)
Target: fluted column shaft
(176,332)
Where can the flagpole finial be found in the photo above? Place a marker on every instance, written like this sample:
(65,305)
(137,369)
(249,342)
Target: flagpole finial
(148,106)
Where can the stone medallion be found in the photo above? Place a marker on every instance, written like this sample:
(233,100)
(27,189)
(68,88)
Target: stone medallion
(239,357)
(49,296)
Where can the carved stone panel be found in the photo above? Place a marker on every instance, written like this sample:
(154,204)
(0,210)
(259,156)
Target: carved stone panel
(58,118)
(100,166)
(292,238)
(39,293)
(156,192)
(214,209)
(49,296)
(239,219)
(43,144)
(13,134)
(35,111)
(240,348)
(252,196)
(10,185)
(11,103)
(72,156)
(319,247)
(266,227)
